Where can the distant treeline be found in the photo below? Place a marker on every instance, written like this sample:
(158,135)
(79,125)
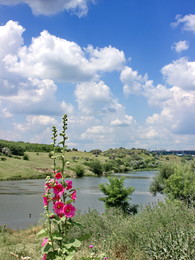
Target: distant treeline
(176,152)
(18,148)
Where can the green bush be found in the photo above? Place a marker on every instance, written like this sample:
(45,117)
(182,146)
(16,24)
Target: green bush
(79,170)
(26,157)
(117,196)
(96,167)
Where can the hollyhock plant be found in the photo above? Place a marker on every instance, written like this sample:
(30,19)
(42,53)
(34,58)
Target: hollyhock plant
(45,200)
(45,241)
(69,184)
(58,175)
(58,207)
(58,189)
(44,257)
(60,193)
(74,195)
(69,210)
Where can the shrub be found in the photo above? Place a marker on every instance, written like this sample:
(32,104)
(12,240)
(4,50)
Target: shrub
(79,170)
(117,196)
(96,167)
(6,151)
(26,157)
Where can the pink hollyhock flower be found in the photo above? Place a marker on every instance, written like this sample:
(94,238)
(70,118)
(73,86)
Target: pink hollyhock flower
(50,184)
(58,175)
(69,210)
(45,241)
(58,189)
(74,195)
(58,207)
(56,197)
(45,200)
(69,184)
(44,257)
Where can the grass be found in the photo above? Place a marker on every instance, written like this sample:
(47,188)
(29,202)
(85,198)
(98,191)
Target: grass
(161,232)
(40,164)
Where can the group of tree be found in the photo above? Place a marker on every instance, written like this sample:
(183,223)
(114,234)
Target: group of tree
(176,181)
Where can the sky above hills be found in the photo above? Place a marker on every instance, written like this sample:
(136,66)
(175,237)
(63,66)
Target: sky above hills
(123,72)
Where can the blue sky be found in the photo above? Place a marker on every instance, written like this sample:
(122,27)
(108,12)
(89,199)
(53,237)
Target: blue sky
(123,71)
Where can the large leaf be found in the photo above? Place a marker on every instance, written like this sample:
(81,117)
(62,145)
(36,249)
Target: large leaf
(47,247)
(42,233)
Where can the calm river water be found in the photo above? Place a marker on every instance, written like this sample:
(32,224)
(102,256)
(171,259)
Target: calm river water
(18,199)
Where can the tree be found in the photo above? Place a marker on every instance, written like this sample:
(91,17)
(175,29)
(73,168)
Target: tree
(116,195)
(176,181)
(96,167)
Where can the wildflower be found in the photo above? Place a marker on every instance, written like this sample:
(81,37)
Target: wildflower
(45,241)
(58,207)
(58,189)
(105,258)
(44,257)
(69,210)
(50,184)
(45,200)
(69,184)
(58,175)
(74,195)
(56,197)
(90,246)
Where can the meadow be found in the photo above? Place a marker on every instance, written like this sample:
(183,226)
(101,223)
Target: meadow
(164,231)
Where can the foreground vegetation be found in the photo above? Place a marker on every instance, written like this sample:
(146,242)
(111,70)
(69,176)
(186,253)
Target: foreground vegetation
(165,231)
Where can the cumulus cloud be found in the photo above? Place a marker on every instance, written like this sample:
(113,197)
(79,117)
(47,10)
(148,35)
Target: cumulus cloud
(177,102)
(55,58)
(180,73)
(187,22)
(180,46)
(50,7)
(95,98)
(35,97)
(178,113)
(134,83)
(124,122)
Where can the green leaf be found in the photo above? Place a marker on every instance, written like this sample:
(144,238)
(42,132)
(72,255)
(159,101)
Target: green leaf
(47,247)
(76,243)
(56,235)
(69,201)
(69,257)
(42,233)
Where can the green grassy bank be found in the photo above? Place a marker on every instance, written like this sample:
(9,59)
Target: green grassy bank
(39,164)
(162,232)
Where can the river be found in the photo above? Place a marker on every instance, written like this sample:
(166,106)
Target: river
(21,201)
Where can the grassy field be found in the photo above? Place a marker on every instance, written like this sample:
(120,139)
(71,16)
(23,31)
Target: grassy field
(162,232)
(39,165)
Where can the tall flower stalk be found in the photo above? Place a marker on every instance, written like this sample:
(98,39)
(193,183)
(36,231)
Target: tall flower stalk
(58,201)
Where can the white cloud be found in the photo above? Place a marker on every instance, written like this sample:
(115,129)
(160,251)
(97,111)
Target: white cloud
(133,83)
(180,73)
(95,98)
(49,7)
(187,22)
(36,97)
(178,113)
(125,122)
(180,46)
(55,58)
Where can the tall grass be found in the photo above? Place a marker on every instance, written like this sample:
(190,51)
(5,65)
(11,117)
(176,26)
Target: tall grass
(164,231)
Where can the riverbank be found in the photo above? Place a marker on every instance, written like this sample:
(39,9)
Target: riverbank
(39,165)
(165,231)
